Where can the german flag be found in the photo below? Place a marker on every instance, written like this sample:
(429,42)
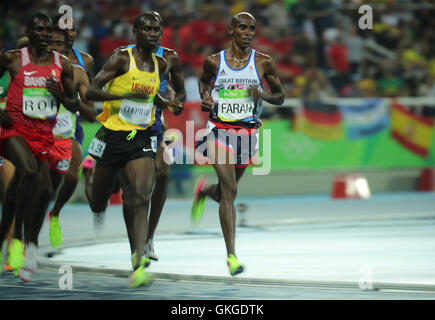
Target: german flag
(411,130)
(320,121)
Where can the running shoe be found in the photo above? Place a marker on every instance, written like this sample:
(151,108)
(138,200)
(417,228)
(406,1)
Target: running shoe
(140,276)
(26,273)
(16,255)
(234,266)
(133,261)
(149,250)
(198,202)
(55,234)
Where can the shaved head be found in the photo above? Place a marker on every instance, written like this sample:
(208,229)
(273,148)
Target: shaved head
(237,18)
(157,15)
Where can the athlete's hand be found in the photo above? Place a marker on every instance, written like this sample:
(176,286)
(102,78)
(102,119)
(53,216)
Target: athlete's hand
(176,107)
(5,119)
(207,103)
(53,87)
(136,95)
(254,93)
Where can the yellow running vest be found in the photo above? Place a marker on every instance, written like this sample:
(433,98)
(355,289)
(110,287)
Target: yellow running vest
(130,114)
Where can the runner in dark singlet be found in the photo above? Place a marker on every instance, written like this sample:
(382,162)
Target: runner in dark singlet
(71,177)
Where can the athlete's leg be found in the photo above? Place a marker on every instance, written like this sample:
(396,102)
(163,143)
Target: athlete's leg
(137,181)
(8,212)
(99,187)
(213,191)
(44,191)
(160,192)
(225,170)
(55,233)
(6,176)
(70,180)
(128,213)
(17,151)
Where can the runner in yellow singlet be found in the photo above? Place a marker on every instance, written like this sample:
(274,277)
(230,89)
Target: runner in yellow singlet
(125,145)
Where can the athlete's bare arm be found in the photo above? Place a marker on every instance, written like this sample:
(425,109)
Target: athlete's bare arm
(67,97)
(87,109)
(209,71)
(89,63)
(268,71)
(175,71)
(9,61)
(117,65)
(174,105)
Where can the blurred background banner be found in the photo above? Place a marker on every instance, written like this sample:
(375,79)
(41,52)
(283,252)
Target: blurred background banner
(411,130)
(365,119)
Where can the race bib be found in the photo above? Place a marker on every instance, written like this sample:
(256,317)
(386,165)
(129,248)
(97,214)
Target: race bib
(138,112)
(63,165)
(235,105)
(96,148)
(39,103)
(64,124)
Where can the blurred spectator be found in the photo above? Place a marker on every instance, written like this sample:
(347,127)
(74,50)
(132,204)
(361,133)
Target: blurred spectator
(338,62)
(355,46)
(389,85)
(367,85)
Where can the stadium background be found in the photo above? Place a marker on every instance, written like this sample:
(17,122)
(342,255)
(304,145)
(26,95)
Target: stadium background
(326,64)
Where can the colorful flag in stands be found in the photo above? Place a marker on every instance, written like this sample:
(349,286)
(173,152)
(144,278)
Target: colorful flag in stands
(367,118)
(411,130)
(320,121)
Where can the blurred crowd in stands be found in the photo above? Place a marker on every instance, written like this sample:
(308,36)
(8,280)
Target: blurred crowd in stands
(317,46)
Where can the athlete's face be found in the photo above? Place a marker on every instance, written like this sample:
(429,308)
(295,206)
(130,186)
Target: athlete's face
(40,34)
(148,33)
(243,31)
(57,42)
(71,36)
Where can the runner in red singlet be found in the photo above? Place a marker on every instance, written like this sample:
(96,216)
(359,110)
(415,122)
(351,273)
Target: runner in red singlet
(26,137)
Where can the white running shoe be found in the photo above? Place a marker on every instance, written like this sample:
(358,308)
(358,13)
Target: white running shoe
(26,273)
(149,250)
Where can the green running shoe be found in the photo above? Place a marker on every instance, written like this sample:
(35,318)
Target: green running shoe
(234,266)
(140,276)
(198,202)
(55,235)
(16,255)
(133,261)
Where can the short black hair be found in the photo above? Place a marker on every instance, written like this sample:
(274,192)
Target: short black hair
(56,26)
(39,15)
(56,19)
(138,20)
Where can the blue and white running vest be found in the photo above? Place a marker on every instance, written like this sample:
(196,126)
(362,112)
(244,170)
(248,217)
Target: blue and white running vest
(233,104)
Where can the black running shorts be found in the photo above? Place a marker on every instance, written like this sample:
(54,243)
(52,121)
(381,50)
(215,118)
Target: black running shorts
(116,148)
